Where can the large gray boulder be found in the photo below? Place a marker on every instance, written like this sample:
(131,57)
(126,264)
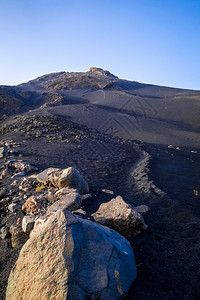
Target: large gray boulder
(122,217)
(60,178)
(71,258)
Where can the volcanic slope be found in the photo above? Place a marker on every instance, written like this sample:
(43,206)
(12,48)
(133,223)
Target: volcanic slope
(100,100)
(147,172)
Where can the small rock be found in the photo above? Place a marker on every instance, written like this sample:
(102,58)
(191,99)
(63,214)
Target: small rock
(13,152)
(4,232)
(66,201)
(65,191)
(64,178)
(3,152)
(13,207)
(6,173)
(18,237)
(108,191)
(27,184)
(86,196)
(141,208)
(80,211)
(19,174)
(122,217)
(50,196)
(28,223)
(171,146)
(23,166)
(32,206)
(15,182)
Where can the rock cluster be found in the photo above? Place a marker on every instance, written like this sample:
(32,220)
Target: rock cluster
(16,168)
(64,255)
(38,197)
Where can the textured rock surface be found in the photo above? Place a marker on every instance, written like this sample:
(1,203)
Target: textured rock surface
(70,178)
(70,201)
(71,258)
(43,177)
(32,206)
(122,217)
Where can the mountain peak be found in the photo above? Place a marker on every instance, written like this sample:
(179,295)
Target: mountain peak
(99,71)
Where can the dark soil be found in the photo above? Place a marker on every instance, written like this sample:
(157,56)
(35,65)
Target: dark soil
(167,252)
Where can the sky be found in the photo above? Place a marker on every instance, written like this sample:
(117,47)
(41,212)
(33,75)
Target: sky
(150,41)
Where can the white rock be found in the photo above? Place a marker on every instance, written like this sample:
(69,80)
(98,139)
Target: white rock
(13,207)
(28,223)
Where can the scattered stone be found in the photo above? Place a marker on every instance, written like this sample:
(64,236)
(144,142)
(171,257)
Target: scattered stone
(22,166)
(13,207)
(18,237)
(13,152)
(4,232)
(142,209)
(6,173)
(85,196)
(64,191)
(15,199)
(18,220)
(70,202)
(27,183)
(28,223)
(19,174)
(3,152)
(80,211)
(122,217)
(4,201)
(15,182)
(108,191)
(196,193)
(72,258)
(50,196)
(33,205)
(60,178)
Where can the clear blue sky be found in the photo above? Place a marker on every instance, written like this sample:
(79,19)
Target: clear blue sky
(151,41)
